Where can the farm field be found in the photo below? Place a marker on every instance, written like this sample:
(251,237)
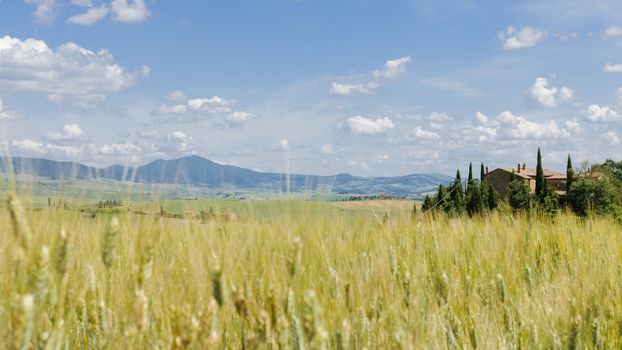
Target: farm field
(303,274)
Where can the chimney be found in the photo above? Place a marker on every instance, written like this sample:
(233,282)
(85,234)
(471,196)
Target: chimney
(524,166)
(518,168)
(486,169)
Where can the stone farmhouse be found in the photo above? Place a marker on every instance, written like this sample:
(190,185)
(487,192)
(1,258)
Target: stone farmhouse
(500,178)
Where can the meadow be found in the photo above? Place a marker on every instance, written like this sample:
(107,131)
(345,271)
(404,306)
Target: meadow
(305,275)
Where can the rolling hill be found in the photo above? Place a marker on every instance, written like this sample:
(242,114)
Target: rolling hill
(198,171)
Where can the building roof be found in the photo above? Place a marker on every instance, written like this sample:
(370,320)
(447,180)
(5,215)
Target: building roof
(530,173)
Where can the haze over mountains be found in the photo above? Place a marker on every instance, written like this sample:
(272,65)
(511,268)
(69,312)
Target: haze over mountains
(198,171)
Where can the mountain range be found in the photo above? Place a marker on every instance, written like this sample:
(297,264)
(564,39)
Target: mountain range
(198,171)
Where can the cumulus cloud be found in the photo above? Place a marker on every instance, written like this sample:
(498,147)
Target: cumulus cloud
(45,11)
(6,114)
(238,118)
(67,73)
(393,68)
(91,16)
(129,11)
(597,113)
(613,31)
(515,39)
(612,68)
(30,147)
(541,94)
(425,134)
(69,133)
(611,137)
(343,89)
(192,110)
(481,117)
(517,127)
(368,126)
(440,117)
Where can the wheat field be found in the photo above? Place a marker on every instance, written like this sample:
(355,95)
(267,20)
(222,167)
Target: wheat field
(307,279)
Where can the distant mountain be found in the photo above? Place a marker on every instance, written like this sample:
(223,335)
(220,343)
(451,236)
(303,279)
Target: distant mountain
(199,171)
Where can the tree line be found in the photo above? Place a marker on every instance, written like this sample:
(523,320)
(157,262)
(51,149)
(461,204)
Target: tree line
(595,189)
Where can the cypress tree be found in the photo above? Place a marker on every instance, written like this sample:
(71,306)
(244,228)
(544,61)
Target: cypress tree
(569,175)
(441,198)
(470,178)
(457,194)
(492,198)
(481,173)
(540,181)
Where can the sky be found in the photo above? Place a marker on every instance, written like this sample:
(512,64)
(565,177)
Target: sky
(367,87)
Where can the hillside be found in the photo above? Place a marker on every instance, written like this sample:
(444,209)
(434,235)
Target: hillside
(198,171)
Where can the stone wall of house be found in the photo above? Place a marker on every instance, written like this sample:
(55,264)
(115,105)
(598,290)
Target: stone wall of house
(500,179)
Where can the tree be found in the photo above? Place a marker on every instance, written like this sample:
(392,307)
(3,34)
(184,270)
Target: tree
(428,204)
(519,195)
(470,178)
(591,195)
(481,173)
(474,203)
(492,198)
(441,198)
(540,181)
(569,174)
(456,195)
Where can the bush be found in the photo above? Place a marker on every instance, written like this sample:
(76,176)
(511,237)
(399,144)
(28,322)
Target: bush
(591,195)
(519,195)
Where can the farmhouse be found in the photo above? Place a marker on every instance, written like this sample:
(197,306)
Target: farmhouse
(500,178)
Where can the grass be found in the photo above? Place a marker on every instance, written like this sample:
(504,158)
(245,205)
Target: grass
(307,275)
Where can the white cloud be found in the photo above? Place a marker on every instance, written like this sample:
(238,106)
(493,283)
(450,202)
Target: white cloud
(596,113)
(45,10)
(91,16)
(177,142)
(283,145)
(619,96)
(514,39)
(566,94)
(393,68)
(145,71)
(425,134)
(521,128)
(194,110)
(343,89)
(613,31)
(130,10)
(611,137)
(6,114)
(30,147)
(572,126)
(481,117)
(67,73)
(540,94)
(613,68)
(176,96)
(212,105)
(327,149)
(71,132)
(124,149)
(367,126)
(238,118)
(440,117)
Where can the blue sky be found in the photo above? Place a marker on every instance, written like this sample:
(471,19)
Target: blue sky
(312,86)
